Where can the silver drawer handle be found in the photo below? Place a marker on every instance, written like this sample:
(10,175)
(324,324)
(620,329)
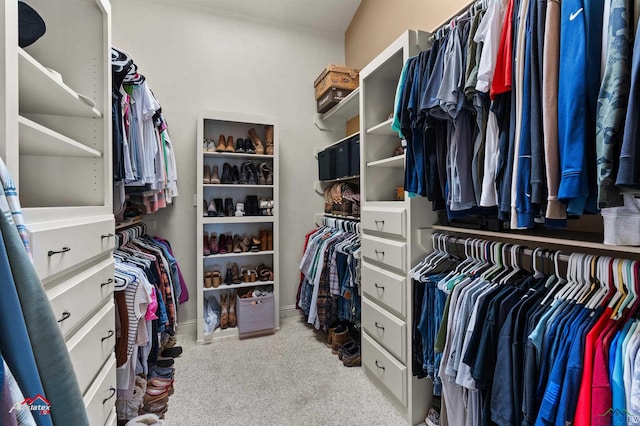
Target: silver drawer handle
(102,237)
(379,287)
(64,250)
(113,393)
(108,336)
(109,281)
(379,327)
(380,366)
(65,316)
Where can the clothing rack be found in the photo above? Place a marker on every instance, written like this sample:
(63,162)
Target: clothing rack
(465,12)
(124,235)
(346,224)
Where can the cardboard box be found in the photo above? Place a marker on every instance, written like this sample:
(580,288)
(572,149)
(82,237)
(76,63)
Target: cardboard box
(336,77)
(331,98)
(255,314)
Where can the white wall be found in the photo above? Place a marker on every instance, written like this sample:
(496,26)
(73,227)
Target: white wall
(194,58)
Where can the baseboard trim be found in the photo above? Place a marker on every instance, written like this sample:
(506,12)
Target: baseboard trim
(189,327)
(288,311)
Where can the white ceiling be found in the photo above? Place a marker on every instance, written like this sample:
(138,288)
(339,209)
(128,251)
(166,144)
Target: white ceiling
(326,15)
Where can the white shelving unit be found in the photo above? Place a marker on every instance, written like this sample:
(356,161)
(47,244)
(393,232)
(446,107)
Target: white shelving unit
(391,244)
(212,124)
(335,119)
(56,142)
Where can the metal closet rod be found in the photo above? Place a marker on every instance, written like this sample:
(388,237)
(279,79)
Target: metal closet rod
(525,250)
(462,13)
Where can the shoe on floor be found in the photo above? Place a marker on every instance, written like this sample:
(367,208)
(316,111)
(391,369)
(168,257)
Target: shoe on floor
(148,419)
(173,352)
(353,361)
(164,363)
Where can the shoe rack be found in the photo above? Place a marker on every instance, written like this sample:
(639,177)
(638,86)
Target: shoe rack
(237,198)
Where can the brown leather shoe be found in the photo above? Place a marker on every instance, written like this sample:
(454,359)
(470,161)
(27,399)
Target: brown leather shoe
(340,337)
(233,322)
(268,140)
(330,332)
(256,141)
(264,240)
(230,147)
(269,240)
(222,146)
(352,361)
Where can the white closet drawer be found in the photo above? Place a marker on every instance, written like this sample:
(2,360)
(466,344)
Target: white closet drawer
(61,245)
(385,368)
(386,328)
(385,287)
(386,220)
(75,298)
(387,252)
(90,347)
(100,399)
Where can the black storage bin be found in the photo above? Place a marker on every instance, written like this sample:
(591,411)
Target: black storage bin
(327,164)
(354,155)
(342,159)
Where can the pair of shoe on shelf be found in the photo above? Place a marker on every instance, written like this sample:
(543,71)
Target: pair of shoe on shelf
(210,175)
(243,146)
(267,147)
(247,174)
(216,208)
(341,344)
(212,278)
(266,207)
(266,239)
(228,310)
(265,273)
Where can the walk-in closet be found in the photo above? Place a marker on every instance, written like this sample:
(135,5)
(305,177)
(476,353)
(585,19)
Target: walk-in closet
(410,212)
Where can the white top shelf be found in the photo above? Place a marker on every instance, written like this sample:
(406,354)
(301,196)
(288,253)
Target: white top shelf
(42,93)
(336,117)
(234,219)
(383,129)
(397,161)
(36,139)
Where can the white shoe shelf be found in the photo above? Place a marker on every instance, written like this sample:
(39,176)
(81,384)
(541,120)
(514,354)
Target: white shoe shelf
(212,124)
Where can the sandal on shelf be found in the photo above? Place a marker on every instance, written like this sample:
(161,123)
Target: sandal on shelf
(208,280)
(216,277)
(255,244)
(245,275)
(265,273)
(253,276)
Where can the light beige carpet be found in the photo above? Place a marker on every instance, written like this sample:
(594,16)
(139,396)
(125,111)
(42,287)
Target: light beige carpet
(289,378)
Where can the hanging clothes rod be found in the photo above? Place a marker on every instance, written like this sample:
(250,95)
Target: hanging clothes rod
(465,12)
(525,250)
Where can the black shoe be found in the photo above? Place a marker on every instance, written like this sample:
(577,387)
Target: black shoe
(248,146)
(229,278)
(173,352)
(219,208)
(252,173)
(226,173)
(240,145)
(165,363)
(235,175)
(228,207)
(251,206)
(244,174)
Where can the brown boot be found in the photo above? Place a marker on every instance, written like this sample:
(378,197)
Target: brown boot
(215,177)
(206,174)
(340,337)
(264,240)
(232,310)
(268,140)
(230,147)
(224,312)
(269,240)
(222,146)
(256,141)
